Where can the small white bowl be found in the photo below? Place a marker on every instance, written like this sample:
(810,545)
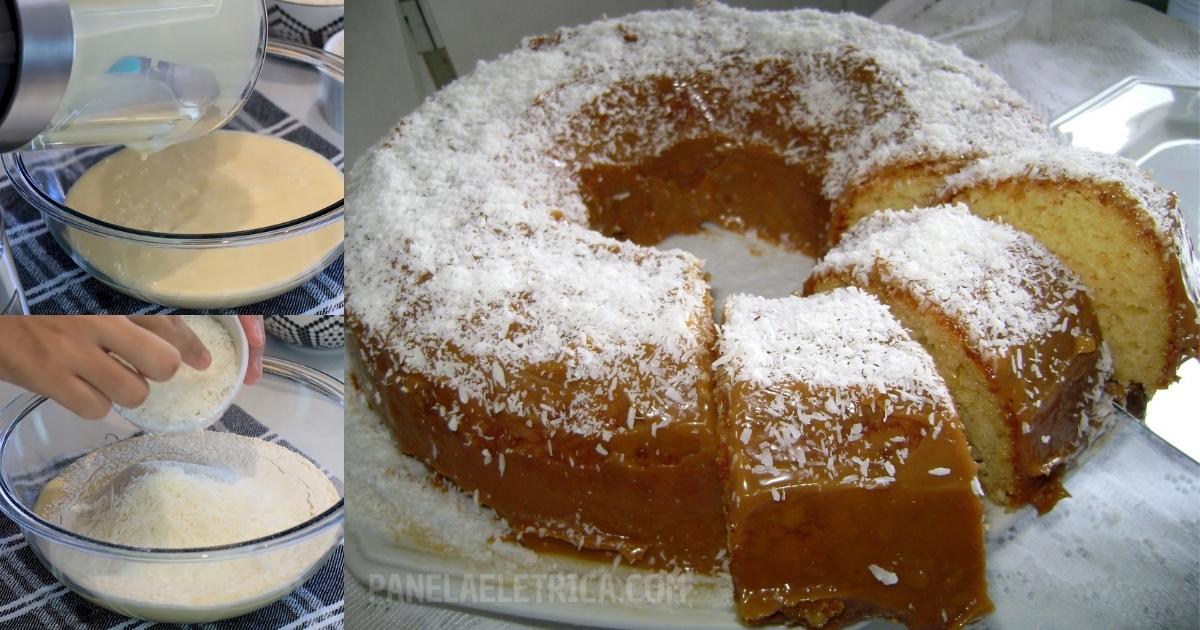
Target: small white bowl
(241,347)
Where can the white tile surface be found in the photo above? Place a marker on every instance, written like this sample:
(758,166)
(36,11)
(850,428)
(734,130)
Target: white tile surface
(385,76)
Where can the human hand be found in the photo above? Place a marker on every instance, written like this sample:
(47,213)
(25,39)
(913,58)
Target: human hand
(67,358)
(256,339)
(175,330)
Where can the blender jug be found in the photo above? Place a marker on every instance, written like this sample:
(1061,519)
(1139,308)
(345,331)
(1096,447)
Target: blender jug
(143,73)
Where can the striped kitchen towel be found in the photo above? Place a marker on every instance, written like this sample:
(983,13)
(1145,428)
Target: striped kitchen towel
(32,599)
(55,284)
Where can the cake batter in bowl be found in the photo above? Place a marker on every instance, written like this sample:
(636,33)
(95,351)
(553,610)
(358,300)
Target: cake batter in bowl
(152,576)
(228,249)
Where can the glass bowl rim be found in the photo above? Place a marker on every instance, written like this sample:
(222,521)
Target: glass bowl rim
(13,508)
(14,164)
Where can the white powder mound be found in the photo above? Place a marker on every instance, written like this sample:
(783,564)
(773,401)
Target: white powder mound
(169,505)
(181,491)
(337,44)
(190,398)
(198,490)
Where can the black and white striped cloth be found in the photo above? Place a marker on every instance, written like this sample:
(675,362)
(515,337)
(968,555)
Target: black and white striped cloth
(55,284)
(32,599)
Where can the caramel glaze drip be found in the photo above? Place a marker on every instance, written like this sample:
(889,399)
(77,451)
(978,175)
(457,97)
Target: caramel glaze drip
(712,179)
(801,540)
(1042,406)
(1042,452)
(654,497)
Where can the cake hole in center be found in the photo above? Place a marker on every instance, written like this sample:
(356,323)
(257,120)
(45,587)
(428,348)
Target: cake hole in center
(757,221)
(743,263)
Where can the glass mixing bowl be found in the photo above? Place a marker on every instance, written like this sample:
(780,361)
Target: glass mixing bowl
(12,299)
(299,404)
(141,263)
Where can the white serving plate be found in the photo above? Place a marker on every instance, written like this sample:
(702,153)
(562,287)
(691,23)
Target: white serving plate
(1157,125)
(1122,552)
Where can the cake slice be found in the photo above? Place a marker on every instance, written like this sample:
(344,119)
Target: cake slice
(850,491)
(901,186)
(1010,328)
(570,390)
(1119,232)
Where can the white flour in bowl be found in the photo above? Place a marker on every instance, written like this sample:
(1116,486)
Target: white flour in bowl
(179,491)
(190,398)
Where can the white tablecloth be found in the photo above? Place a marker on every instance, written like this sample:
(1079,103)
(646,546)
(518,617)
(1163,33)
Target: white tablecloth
(1056,53)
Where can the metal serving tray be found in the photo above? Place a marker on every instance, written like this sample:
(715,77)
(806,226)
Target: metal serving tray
(1157,125)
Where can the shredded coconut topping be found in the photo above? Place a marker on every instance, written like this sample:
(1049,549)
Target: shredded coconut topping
(844,339)
(1079,164)
(1057,163)
(885,577)
(472,262)
(1000,284)
(1014,301)
(849,354)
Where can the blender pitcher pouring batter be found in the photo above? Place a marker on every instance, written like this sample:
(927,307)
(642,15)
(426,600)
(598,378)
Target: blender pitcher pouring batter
(142,73)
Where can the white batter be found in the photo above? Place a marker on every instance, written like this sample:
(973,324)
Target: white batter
(224,182)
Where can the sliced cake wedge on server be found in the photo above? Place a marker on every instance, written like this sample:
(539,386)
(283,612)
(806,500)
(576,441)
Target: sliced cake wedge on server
(1010,328)
(850,491)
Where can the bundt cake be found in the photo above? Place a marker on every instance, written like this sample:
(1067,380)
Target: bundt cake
(514,346)
(1118,231)
(850,489)
(511,323)
(1010,328)
(659,122)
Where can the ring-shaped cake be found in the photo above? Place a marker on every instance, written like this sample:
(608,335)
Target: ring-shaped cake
(512,321)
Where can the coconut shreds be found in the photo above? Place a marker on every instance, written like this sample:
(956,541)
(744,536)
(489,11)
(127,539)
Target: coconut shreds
(472,258)
(1001,287)
(1057,163)
(1000,284)
(848,351)
(885,577)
